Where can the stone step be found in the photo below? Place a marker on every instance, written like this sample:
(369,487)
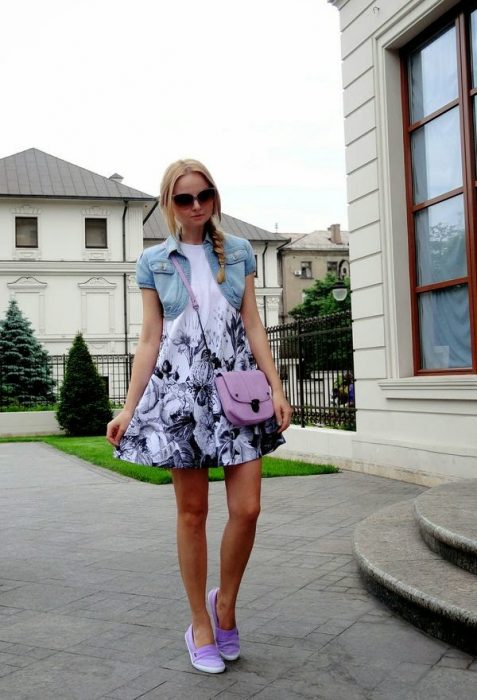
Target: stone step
(447,519)
(399,568)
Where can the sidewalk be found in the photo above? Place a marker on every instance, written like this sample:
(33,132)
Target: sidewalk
(92,606)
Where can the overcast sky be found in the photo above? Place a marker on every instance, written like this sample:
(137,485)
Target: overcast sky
(252,88)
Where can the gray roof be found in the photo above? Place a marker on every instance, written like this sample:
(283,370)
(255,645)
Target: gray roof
(156,228)
(316,240)
(33,173)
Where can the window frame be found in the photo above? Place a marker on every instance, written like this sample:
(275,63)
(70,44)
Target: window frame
(26,247)
(460,18)
(87,219)
(306,265)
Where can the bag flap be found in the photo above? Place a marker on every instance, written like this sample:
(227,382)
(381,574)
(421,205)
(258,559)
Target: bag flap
(246,386)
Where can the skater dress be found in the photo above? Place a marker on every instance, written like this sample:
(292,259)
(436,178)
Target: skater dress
(178,422)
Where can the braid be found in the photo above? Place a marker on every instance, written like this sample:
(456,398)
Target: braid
(218,240)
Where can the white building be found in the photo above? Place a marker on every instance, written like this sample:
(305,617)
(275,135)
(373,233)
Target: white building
(68,242)
(69,239)
(410,102)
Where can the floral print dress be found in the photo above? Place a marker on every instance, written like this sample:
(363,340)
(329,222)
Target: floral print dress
(179,422)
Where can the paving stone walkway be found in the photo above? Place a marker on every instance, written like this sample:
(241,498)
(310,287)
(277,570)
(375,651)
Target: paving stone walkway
(92,606)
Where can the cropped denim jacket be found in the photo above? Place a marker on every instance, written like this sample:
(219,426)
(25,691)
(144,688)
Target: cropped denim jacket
(155,270)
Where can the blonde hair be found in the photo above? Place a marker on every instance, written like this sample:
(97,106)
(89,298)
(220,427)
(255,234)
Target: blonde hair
(169,179)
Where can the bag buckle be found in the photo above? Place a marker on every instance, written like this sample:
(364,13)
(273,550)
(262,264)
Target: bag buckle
(255,403)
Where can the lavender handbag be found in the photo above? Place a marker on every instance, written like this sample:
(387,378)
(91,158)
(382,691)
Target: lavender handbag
(245,395)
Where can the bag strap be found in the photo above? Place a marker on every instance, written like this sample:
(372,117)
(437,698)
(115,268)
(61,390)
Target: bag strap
(192,296)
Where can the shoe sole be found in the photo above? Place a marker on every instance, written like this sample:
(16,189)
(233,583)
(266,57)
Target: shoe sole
(199,667)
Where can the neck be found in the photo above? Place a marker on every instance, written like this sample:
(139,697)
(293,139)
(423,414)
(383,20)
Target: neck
(192,235)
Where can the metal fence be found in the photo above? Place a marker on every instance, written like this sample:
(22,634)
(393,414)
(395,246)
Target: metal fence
(315,361)
(314,358)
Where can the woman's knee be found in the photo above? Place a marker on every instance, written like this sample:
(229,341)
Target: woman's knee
(193,515)
(247,513)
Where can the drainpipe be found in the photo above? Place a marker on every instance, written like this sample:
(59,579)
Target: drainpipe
(264,286)
(125,283)
(282,315)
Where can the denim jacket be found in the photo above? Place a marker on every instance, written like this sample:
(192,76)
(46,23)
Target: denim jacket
(155,270)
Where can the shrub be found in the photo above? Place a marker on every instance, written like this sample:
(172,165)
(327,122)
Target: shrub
(83,407)
(25,366)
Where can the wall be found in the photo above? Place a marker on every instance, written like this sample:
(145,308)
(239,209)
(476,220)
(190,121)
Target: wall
(267,288)
(417,424)
(293,285)
(63,287)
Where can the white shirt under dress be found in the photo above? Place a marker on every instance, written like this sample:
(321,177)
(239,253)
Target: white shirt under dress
(179,422)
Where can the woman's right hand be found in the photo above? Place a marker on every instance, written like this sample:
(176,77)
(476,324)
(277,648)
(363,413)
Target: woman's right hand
(118,426)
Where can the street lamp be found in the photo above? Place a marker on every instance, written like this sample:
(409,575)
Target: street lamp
(339,290)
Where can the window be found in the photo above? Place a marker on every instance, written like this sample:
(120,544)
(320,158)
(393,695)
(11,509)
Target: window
(306,270)
(440,117)
(26,232)
(95,233)
(256,265)
(332,266)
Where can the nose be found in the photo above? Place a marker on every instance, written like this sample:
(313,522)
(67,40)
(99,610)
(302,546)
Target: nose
(196,204)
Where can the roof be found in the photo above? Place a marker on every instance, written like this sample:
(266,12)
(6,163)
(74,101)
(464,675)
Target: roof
(33,173)
(156,228)
(316,240)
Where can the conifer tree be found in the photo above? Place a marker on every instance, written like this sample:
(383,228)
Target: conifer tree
(83,407)
(25,367)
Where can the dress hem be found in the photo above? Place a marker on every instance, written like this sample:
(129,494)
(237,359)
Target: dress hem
(205,466)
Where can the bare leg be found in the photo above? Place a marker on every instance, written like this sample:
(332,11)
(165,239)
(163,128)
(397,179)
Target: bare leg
(243,484)
(192,489)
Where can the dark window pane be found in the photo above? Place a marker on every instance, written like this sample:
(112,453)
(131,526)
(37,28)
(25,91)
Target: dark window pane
(475,124)
(95,233)
(433,75)
(473,39)
(440,242)
(26,232)
(436,157)
(445,328)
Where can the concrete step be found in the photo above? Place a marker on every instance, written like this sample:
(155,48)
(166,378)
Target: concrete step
(399,568)
(447,519)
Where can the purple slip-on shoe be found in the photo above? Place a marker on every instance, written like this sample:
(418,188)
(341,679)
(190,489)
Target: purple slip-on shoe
(227,641)
(206,658)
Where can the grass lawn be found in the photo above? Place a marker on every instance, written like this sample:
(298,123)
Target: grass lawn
(98,451)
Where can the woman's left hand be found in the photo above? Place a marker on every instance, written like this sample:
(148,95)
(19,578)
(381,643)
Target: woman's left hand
(283,410)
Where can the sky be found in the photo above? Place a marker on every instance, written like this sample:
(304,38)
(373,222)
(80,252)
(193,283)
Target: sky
(251,88)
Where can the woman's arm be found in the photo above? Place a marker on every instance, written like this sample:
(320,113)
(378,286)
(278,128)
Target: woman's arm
(144,361)
(260,348)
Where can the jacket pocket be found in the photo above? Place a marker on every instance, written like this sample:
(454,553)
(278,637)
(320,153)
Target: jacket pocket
(235,256)
(162,267)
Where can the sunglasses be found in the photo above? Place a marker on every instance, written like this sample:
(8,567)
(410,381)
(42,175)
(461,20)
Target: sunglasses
(187,200)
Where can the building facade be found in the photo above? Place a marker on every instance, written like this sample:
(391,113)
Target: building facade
(410,91)
(68,246)
(308,257)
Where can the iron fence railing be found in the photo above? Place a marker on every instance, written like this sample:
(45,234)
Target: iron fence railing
(115,371)
(315,361)
(314,358)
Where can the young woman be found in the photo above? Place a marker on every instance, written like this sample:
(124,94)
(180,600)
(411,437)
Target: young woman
(172,417)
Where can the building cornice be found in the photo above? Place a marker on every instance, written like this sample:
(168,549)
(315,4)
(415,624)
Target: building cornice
(62,267)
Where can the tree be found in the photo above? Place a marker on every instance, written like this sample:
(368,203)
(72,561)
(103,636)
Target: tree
(25,366)
(84,407)
(319,299)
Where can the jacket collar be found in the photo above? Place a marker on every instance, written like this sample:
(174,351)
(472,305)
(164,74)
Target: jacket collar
(174,245)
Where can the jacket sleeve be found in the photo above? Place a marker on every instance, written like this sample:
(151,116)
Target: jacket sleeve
(250,264)
(144,276)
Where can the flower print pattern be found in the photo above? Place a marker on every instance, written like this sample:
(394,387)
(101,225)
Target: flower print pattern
(178,422)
